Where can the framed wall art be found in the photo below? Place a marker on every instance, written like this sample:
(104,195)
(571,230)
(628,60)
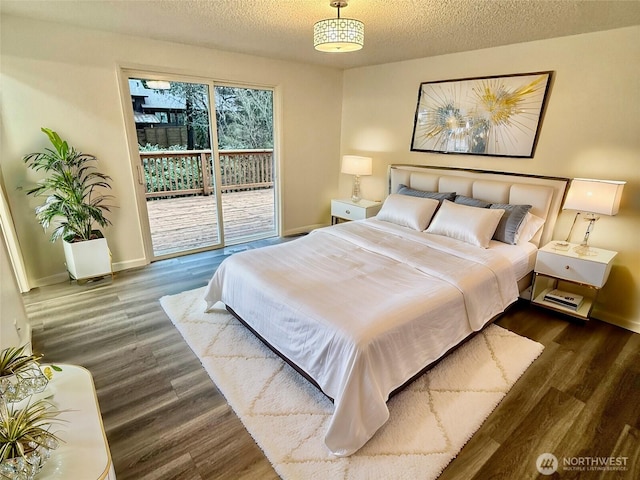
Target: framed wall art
(497,116)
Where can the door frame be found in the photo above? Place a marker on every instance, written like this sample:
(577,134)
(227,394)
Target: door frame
(124,72)
(7,226)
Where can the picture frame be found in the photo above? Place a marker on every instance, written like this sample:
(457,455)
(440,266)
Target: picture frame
(497,116)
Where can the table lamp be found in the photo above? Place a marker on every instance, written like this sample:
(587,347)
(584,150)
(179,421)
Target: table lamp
(356,166)
(592,197)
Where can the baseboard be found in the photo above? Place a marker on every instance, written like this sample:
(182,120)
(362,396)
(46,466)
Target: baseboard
(64,277)
(119,266)
(616,320)
(300,230)
(50,280)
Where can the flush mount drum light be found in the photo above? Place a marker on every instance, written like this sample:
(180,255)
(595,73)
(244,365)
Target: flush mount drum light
(338,34)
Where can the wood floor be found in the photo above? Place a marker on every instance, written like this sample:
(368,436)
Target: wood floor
(165,419)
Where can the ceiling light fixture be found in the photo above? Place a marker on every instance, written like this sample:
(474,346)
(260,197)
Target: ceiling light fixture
(338,34)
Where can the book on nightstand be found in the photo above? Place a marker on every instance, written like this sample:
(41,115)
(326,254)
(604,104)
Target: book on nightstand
(566,299)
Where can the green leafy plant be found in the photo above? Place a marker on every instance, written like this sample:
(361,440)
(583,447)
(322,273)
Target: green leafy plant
(73,189)
(14,360)
(24,430)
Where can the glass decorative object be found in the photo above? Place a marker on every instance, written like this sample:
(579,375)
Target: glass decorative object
(18,386)
(27,467)
(25,440)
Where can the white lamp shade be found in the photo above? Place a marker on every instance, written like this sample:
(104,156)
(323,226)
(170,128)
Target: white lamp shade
(355,165)
(594,196)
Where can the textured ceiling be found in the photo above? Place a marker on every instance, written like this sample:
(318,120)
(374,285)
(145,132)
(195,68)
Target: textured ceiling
(394,30)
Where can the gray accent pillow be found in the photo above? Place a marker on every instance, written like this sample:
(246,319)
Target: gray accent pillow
(404,190)
(471,202)
(510,221)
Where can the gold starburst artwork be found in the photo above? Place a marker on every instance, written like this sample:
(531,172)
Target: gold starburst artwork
(486,116)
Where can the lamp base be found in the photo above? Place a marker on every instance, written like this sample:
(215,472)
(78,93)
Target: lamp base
(355,192)
(585,251)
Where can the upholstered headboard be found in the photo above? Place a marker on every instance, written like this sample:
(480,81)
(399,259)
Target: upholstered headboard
(544,194)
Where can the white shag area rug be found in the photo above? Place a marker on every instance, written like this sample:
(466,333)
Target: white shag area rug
(430,420)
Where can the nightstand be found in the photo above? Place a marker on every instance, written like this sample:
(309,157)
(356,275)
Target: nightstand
(345,209)
(572,274)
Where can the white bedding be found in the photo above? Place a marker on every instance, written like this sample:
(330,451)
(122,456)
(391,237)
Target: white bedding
(362,307)
(522,256)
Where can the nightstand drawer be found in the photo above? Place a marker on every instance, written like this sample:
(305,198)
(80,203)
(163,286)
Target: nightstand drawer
(573,273)
(348,212)
(580,270)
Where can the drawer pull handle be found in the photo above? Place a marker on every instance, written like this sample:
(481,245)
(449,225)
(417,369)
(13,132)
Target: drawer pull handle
(567,267)
(349,213)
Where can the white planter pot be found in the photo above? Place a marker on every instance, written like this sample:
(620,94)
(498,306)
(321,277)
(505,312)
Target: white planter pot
(88,259)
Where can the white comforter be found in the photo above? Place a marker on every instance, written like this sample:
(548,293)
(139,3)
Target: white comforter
(362,307)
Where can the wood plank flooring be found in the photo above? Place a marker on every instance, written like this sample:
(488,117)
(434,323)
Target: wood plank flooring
(165,419)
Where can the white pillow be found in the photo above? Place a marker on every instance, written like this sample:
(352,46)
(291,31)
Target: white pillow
(407,211)
(528,228)
(470,224)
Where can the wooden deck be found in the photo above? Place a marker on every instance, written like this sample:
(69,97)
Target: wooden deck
(187,223)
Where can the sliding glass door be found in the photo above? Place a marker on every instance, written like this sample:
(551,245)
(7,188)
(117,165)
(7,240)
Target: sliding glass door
(244,121)
(204,185)
(174,138)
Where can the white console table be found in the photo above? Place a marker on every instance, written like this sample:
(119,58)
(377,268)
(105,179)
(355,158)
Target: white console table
(84,453)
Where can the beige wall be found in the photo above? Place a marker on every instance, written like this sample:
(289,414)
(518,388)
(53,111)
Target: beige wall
(591,129)
(66,79)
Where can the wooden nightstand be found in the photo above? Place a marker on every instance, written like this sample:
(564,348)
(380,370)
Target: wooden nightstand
(345,209)
(577,275)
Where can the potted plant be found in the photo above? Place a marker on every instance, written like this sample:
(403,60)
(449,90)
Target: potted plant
(75,203)
(20,374)
(25,439)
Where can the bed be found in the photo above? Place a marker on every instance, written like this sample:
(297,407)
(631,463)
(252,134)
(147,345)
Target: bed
(362,308)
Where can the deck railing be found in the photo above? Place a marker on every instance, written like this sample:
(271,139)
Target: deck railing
(188,172)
